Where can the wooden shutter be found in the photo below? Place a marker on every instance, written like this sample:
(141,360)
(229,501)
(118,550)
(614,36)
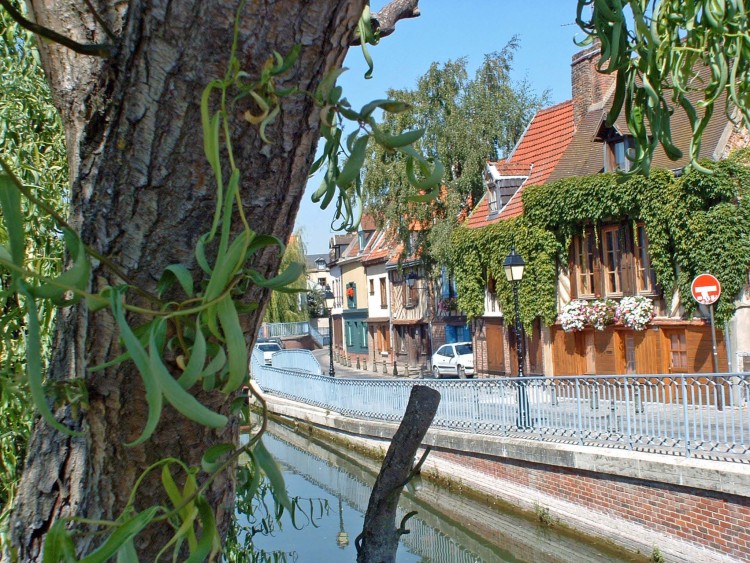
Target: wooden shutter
(573,266)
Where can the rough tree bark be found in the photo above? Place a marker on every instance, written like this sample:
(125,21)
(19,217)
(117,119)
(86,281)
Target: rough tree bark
(141,194)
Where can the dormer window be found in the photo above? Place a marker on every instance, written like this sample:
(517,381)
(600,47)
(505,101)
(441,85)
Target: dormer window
(492,195)
(617,146)
(321,264)
(362,240)
(616,153)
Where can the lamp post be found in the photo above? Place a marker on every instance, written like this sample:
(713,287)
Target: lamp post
(329,299)
(342,538)
(514,267)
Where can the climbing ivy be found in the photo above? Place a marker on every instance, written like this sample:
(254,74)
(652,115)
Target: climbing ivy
(695,223)
(478,256)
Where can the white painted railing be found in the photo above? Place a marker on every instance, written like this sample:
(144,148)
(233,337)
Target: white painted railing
(281,330)
(689,414)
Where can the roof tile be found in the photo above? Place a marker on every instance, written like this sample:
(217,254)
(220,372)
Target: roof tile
(536,156)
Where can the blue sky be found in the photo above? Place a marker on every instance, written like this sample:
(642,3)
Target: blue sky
(448,30)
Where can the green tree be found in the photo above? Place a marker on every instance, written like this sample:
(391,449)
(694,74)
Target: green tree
(32,143)
(290,306)
(467,121)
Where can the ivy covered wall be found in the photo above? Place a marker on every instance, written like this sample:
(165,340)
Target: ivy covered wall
(695,223)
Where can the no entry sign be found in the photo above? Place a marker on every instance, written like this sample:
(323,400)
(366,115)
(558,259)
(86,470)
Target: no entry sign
(706,289)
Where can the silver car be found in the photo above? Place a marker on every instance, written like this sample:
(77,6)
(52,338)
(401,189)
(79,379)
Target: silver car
(453,359)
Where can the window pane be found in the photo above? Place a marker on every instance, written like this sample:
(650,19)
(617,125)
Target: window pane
(645,275)
(612,260)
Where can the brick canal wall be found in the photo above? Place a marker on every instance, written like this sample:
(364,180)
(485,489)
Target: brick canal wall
(708,519)
(690,509)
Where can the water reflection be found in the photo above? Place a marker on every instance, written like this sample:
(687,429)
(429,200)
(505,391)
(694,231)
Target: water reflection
(332,490)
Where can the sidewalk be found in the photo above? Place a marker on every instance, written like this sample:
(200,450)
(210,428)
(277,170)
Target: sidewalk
(323,356)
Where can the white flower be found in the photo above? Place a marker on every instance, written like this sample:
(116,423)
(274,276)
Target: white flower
(574,315)
(635,312)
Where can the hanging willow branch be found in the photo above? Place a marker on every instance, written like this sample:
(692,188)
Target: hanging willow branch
(104,50)
(656,50)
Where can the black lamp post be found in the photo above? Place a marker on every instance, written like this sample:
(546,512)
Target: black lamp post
(514,266)
(329,299)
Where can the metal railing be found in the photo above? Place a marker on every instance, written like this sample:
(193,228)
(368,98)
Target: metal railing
(320,337)
(702,415)
(281,330)
(295,360)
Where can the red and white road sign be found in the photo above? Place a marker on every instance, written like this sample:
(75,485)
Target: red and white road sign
(706,289)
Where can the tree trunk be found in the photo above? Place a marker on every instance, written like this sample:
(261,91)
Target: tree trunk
(142,193)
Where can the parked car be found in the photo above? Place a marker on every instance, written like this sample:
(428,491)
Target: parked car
(268,349)
(456,358)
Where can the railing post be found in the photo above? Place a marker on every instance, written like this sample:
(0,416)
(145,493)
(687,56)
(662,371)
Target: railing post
(686,421)
(594,396)
(628,422)
(580,411)
(637,399)
(552,392)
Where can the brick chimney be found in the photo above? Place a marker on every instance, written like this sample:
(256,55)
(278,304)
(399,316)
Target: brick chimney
(589,86)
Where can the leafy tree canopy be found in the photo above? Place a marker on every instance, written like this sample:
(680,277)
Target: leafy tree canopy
(467,121)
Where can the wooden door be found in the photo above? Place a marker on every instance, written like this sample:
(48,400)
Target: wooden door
(495,352)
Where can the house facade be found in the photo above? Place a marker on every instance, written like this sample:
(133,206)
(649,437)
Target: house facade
(610,258)
(337,246)
(374,259)
(609,266)
(412,306)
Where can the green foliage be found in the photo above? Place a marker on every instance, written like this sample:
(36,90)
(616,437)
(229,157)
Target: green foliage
(32,145)
(478,256)
(695,223)
(288,306)
(465,122)
(655,49)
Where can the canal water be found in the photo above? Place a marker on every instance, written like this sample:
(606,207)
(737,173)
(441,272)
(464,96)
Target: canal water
(330,491)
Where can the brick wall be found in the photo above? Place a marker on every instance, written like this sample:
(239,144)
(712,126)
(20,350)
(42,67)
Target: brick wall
(704,518)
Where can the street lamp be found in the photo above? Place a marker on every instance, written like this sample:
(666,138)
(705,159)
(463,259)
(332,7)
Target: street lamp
(514,267)
(329,299)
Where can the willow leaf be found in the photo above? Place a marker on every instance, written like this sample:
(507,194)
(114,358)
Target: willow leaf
(235,343)
(123,533)
(10,202)
(282,281)
(197,358)
(180,399)
(34,365)
(267,464)
(210,533)
(210,461)
(140,359)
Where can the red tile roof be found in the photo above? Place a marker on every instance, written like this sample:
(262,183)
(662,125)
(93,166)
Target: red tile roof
(535,156)
(378,249)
